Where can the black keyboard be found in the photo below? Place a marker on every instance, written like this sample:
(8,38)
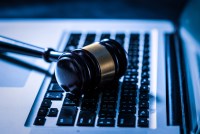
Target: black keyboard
(119,104)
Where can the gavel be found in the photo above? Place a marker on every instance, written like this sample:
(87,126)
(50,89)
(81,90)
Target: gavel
(80,70)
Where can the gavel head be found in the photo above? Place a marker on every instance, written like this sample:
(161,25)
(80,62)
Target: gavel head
(94,65)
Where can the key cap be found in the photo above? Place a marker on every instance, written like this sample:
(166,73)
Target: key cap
(146,56)
(128,102)
(132,80)
(53,80)
(143,122)
(108,105)
(40,121)
(129,93)
(126,120)
(128,98)
(146,36)
(143,104)
(145,68)
(145,62)
(109,98)
(90,37)
(145,75)
(146,50)
(144,89)
(68,102)
(88,105)
(86,118)
(53,95)
(144,96)
(46,103)
(134,38)
(72,97)
(53,112)
(119,37)
(143,113)
(105,36)
(106,122)
(42,111)
(129,85)
(130,77)
(127,109)
(145,81)
(146,44)
(133,71)
(105,110)
(54,87)
(107,114)
(67,116)
(73,41)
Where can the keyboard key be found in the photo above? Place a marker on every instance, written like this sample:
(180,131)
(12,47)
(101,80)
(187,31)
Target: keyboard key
(89,105)
(146,50)
(68,102)
(144,88)
(119,37)
(146,44)
(42,111)
(109,98)
(129,85)
(40,121)
(144,96)
(67,116)
(107,114)
(133,60)
(90,37)
(105,110)
(145,74)
(145,81)
(53,112)
(54,87)
(145,68)
(130,77)
(128,102)
(106,122)
(146,36)
(86,118)
(108,105)
(143,113)
(146,56)
(128,98)
(73,97)
(46,103)
(129,93)
(143,122)
(131,80)
(143,104)
(132,71)
(127,109)
(54,95)
(73,41)
(53,79)
(105,36)
(134,38)
(126,120)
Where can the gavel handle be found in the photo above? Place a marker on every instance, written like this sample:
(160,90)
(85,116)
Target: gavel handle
(15,46)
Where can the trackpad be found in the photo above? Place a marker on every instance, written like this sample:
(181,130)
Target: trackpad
(13,72)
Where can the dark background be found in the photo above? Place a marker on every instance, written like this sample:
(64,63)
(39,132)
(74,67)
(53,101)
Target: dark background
(118,9)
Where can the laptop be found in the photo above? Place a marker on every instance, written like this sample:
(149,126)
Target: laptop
(159,93)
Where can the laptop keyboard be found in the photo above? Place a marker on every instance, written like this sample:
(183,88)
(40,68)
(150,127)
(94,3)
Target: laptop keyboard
(124,103)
